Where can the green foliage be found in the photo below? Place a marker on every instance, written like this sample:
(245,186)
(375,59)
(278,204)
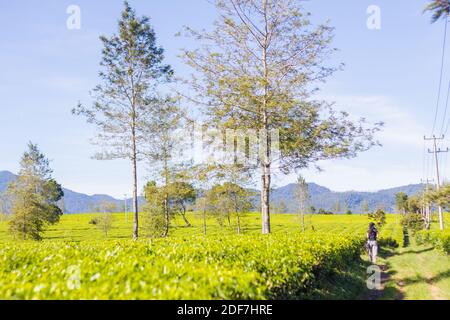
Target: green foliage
(181,194)
(413,222)
(259,74)
(414,205)
(439,239)
(163,203)
(379,217)
(401,202)
(440,197)
(34,196)
(246,267)
(223,201)
(156,211)
(388,242)
(126,100)
(104,222)
(439,8)
(325,212)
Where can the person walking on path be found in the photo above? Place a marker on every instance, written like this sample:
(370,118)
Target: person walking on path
(372,243)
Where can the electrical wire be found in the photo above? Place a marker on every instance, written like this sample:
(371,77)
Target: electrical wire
(444,45)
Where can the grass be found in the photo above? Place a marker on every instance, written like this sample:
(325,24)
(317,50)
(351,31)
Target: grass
(417,273)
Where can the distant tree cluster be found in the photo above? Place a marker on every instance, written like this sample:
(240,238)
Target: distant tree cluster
(413,210)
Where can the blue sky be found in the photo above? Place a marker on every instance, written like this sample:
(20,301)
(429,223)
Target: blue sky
(390,75)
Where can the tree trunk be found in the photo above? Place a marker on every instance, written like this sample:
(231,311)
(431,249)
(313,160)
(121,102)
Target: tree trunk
(238,223)
(166,214)
(183,214)
(236,208)
(135,199)
(303,220)
(265,199)
(266,177)
(204,222)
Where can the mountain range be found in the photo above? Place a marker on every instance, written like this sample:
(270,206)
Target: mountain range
(75,202)
(283,198)
(322,197)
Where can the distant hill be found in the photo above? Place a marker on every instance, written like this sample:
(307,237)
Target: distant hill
(75,202)
(321,197)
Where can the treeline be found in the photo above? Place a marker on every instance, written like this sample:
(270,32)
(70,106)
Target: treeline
(417,210)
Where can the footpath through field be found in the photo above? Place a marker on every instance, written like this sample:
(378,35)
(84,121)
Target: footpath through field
(414,273)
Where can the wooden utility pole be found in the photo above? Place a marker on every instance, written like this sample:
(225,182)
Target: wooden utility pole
(436,151)
(426,209)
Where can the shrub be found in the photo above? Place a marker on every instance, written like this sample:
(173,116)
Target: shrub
(379,217)
(413,222)
(439,239)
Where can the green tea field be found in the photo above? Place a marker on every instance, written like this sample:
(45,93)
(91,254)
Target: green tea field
(76,260)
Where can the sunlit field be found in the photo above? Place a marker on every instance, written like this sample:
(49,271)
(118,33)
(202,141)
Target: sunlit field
(76,260)
(77,227)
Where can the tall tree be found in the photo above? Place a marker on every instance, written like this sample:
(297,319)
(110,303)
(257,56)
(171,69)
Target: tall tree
(440,197)
(257,71)
(34,196)
(302,195)
(132,69)
(164,148)
(401,202)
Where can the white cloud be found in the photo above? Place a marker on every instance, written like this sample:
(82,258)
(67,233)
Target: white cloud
(398,162)
(401,128)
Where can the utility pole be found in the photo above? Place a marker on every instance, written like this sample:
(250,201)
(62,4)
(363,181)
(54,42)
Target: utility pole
(436,151)
(426,210)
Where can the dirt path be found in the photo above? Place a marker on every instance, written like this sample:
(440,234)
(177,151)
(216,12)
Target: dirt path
(377,294)
(413,273)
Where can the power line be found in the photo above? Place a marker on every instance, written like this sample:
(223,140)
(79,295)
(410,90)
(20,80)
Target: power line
(441,76)
(445,113)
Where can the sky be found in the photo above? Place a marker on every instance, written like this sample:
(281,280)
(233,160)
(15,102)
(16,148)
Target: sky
(391,74)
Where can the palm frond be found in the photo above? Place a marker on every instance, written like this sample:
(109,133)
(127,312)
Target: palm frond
(439,8)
